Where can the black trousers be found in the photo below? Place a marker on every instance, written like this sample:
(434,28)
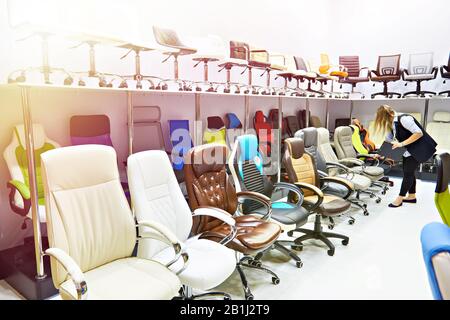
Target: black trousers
(410,166)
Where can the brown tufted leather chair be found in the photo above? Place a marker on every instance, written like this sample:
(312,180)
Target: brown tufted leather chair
(209,185)
(302,171)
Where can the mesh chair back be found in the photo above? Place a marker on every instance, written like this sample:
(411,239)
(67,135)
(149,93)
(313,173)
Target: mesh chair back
(420,63)
(389,65)
(352,65)
(301,64)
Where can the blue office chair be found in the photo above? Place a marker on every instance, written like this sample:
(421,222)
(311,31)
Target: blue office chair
(181,142)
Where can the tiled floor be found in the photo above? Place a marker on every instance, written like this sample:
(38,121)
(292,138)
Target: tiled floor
(382,261)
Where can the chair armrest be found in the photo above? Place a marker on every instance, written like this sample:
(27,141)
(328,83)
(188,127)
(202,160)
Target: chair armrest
(322,174)
(434,71)
(373,72)
(164,234)
(372,156)
(24,191)
(353,161)
(291,187)
(221,215)
(258,197)
(349,172)
(444,69)
(315,190)
(348,184)
(72,269)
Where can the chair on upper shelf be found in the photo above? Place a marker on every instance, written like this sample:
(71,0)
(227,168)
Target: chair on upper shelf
(169,38)
(306,74)
(302,172)
(256,59)
(420,69)
(215,131)
(332,72)
(157,197)
(15,156)
(445,74)
(388,70)
(92,232)
(355,75)
(208,184)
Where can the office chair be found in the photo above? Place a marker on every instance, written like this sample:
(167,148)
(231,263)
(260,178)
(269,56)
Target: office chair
(349,157)
(355,74)
(147,129)
(92,233)
(231,61)
(439,130)
(420,69)
(307,75)
(16,160)
(445,74)
(256,58)
(169,38)
(215,131)
(435,240)
(157,197)
(332,72)
(264,131)
(302,172)
(292,125)
(234,129)
(310,137)
(388,70)
(245,164)
(208,184)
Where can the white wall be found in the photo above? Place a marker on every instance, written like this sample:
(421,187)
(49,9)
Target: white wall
(301,27)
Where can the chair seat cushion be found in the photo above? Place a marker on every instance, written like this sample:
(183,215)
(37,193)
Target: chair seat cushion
(127,279)
(373,172)
(330,206)
(385,78)
(207,57)
(278,67)
(354,79)
(360,182)
(232,62)
(253,234)
(424,76)
(210,263)
(258,64)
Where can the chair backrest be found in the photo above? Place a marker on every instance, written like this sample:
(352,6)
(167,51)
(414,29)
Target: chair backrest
(420,63)
(215,122)
(299,164)
(156,196)
(292,125)
(310,137)
(215,132)
(439,129)
(356,140)
(239,50)
(234,129)
(389,65)
(208,183)
(300,64)
(343,143)
(181,141)
(15,156)
(90,129)
(147,130)
(442,198)
(325,149)
(169,38)
(88,215)
(211,46)
(233,121)
(352,65)
(315,122)
(364,136)
(263,127)
(324,63)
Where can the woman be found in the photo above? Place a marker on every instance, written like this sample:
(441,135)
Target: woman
(403,130)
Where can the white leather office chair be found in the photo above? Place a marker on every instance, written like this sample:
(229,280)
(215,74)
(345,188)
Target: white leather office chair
(439,129)
(92,232)
(156,196)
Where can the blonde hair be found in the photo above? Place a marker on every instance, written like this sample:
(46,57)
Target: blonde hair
(384,119)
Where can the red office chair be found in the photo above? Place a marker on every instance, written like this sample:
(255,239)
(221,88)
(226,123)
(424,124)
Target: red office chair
(263,127)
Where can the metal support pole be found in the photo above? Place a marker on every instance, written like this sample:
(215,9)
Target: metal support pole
(92,68)
(130,122)
(307,113)
(327,115)
(425,116)
(352,106)
(280,135)
(198,123)
(247,113)
(175,67)
(29,136)
(45,60)
(205,71)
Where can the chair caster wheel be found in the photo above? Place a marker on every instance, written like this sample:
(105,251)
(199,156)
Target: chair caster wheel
(68,81)
(198,89)
(331,253)
(345,242)
(227,298)
(366,213)
(331,226)
(256,264)
(276,281)
(102,84)
(249,297)
(165,87)
(378,201)
(81,83)
(290,233)
(297,248)
(372,196)
(351,222)
(383,192)
(237,92)
(246,92)
(299,264)
(365,205)
(226,90)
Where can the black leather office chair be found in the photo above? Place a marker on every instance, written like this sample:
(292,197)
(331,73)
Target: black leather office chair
(445,74)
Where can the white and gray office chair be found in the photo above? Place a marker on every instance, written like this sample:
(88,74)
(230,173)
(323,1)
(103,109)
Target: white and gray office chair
(92,233)
(156,196)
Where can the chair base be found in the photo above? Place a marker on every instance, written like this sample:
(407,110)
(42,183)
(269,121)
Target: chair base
(447,92)
(421,93)
(183,85)
(387,94)
(186,294)
(318,234)
(250,263)
(281,246)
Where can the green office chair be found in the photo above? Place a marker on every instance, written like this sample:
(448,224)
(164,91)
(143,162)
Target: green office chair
(442,198)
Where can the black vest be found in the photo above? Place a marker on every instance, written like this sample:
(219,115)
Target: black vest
(423,149)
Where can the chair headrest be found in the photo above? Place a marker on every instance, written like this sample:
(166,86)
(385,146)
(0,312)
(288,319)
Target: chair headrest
(248,147)
(323,136)
(89,125)
(38,134)
(208,158)
(260,117)
(215,123)
(341,132)
(309,137)
(296,147)
(233,121)
(441,116)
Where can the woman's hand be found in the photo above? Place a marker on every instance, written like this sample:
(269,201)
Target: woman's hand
(397,145)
